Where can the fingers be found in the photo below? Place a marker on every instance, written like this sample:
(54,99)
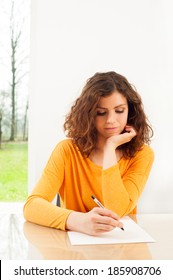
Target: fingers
(124,137)
(94,222)
(104,220)
(131,130)
(128,134)
(106,212)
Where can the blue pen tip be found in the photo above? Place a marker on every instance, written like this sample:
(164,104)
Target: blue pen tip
(93,197)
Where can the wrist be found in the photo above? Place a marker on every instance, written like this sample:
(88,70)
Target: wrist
(109,158)
(110,145)
(73,221)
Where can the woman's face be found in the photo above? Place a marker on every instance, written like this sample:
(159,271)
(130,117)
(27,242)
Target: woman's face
(111,116)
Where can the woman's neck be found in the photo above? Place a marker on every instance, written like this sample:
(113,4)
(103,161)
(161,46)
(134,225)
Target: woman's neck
(97,155)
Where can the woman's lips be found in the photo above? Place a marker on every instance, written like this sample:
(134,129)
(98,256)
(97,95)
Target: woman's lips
(111,128)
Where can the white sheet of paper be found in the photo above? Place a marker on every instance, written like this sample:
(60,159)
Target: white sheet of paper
(132,233)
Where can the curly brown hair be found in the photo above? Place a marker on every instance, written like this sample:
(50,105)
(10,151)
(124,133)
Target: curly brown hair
(79,123)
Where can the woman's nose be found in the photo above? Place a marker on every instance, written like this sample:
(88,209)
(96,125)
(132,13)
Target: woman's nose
(111,118)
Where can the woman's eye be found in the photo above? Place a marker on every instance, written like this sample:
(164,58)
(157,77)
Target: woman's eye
(119,111)
(100,113)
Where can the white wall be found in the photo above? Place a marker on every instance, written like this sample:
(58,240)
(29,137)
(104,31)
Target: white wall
(73,39)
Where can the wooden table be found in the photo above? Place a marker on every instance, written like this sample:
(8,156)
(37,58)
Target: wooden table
(24,240)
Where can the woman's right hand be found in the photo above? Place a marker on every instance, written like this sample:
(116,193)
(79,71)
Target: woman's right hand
(94,222)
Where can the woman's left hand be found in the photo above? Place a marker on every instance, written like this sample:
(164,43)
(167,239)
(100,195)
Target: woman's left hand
(122,138)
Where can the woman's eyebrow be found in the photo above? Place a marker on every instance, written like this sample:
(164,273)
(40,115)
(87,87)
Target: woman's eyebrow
(100,107)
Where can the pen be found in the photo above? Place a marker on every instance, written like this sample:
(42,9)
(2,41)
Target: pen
(99,204)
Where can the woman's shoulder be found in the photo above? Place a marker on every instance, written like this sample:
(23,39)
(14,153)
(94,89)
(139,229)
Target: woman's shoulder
(65,145)
(145,151)
(65,142)
(63,149)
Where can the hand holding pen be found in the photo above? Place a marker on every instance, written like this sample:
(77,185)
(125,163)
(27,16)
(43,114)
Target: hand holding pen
(101,205)
(96,221)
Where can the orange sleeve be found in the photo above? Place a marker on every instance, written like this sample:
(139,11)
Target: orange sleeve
(120,194)
(38,208)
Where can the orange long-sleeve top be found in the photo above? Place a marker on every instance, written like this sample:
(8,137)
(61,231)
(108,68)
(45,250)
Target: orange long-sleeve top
(76,178)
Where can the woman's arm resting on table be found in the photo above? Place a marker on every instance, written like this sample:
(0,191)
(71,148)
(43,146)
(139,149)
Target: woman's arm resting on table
(94,222)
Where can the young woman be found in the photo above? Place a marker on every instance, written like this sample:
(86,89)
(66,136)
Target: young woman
(106,155)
